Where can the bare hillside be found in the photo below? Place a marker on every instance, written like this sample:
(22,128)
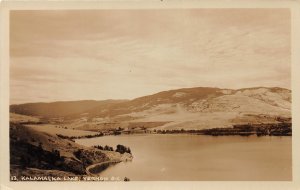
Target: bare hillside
(188,108)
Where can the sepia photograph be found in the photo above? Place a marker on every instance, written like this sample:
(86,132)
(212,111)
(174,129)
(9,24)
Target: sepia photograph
(128,95)
(143,94)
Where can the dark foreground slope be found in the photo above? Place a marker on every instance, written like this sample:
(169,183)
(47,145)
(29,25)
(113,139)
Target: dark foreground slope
(34,153)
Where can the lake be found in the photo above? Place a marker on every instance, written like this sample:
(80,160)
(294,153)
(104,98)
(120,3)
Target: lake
(181,157)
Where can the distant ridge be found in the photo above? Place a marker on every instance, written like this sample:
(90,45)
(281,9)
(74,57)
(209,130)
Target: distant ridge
(59,108)
(189,107)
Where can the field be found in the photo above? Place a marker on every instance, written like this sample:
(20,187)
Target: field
(55,129)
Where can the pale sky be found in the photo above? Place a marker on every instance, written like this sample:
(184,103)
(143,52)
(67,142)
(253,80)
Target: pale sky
(124,54)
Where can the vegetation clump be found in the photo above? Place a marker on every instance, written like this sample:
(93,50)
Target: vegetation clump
(79,137)
(271,129)
(120,148)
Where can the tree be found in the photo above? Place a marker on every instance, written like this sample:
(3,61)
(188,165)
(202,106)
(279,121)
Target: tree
(99,147)
(122,149)
(108,148)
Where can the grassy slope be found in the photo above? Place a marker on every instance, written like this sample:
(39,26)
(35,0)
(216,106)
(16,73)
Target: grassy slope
(185,108)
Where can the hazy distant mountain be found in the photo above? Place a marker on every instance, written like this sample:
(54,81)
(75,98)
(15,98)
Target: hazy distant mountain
(200,107)
(59,109)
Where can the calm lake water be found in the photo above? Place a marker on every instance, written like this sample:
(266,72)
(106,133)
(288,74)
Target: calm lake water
(196,157)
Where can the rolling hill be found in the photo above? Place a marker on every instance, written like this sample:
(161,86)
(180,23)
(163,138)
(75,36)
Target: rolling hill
(189,108)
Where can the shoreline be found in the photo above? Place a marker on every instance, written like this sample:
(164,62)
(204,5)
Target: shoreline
(101,166)
(268,129)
